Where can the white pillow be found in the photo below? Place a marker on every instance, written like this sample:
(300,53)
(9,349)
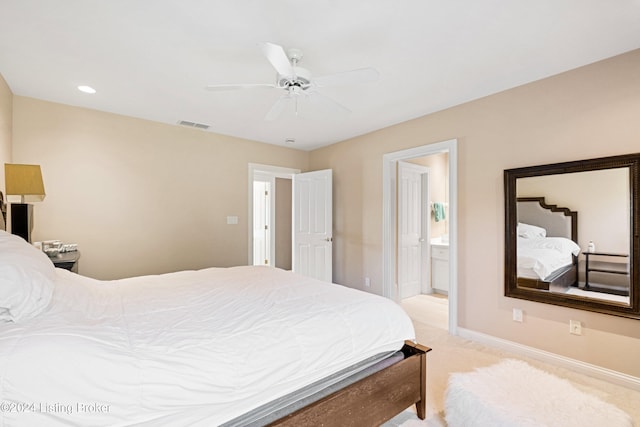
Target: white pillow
(531,231)
(27,278)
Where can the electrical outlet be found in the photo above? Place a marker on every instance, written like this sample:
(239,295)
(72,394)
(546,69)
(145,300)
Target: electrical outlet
(575,327)
(517,315)
(367,282)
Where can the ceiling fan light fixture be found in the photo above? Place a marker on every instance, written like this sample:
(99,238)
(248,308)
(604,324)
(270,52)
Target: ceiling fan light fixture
(301,79)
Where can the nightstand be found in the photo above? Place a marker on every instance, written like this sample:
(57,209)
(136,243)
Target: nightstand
(67,260)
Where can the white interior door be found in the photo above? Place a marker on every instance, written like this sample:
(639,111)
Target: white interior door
(313,224)
(261,223)
(411,241)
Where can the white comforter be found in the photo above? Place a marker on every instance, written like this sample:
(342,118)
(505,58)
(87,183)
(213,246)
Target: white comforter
(539,257)
(187,348)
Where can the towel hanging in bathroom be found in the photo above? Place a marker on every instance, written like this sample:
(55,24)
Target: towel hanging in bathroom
(438,211)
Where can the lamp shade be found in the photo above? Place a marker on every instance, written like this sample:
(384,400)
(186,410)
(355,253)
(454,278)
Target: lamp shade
(24,181)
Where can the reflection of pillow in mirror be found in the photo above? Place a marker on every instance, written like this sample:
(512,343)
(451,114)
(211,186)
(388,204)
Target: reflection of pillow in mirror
(560,244)
(531,231)
(26,279)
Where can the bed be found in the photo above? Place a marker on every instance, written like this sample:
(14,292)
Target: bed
(547,254)
(218,346)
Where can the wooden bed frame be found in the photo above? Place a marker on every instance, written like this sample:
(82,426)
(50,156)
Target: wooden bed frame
(372,400)
(559,222)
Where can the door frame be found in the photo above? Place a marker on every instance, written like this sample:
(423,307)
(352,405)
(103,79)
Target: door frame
(389,220)
(425,215)
(274,172)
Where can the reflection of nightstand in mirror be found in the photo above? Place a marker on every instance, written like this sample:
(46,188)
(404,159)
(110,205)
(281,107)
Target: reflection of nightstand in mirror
(67,260)
(610,266)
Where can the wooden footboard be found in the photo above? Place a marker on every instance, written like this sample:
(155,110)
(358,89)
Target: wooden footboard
(374,399)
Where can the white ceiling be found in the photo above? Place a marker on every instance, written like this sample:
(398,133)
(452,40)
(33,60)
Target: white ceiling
(152,58)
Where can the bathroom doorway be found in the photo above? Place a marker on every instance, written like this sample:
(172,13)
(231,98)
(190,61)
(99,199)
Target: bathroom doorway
(439,237)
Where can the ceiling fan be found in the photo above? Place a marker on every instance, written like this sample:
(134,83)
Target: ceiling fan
(297,83)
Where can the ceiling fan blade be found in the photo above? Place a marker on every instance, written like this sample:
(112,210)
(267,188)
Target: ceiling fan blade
(361,75)
(225,87)
(278,107)
(278,58)
(326,104)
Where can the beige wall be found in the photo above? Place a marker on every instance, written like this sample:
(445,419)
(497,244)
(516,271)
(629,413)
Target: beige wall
(601,199)
(438,165)
(585,113)
(283,222)
(139,197)
(6,119)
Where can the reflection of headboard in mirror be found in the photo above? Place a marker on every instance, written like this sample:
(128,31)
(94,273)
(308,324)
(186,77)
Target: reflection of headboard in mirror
(559,222)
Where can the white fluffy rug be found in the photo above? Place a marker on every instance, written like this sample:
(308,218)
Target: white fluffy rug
(409,418)
(513,393)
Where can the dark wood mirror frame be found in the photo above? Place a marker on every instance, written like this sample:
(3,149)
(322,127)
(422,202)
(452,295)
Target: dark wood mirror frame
(511,288)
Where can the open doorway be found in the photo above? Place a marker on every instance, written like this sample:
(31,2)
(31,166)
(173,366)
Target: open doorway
(270,215)
(423,203)
(290,220)
(272,200)
(438,238)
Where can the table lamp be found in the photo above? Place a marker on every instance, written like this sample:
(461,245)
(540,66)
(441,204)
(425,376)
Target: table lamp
(24,184)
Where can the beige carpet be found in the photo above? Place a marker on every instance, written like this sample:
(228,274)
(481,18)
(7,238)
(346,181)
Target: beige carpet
(454,354)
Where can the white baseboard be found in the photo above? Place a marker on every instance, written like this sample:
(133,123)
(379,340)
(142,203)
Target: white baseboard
(554,359)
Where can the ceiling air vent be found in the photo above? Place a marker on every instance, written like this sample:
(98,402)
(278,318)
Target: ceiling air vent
(193,125)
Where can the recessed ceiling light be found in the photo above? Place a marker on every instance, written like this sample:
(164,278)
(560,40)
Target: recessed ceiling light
(86,89)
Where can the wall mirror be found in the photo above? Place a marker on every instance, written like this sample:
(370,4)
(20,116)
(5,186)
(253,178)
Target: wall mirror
(571,234)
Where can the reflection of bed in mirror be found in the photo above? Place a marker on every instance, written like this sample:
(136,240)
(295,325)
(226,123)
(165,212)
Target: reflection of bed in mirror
(547,250)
